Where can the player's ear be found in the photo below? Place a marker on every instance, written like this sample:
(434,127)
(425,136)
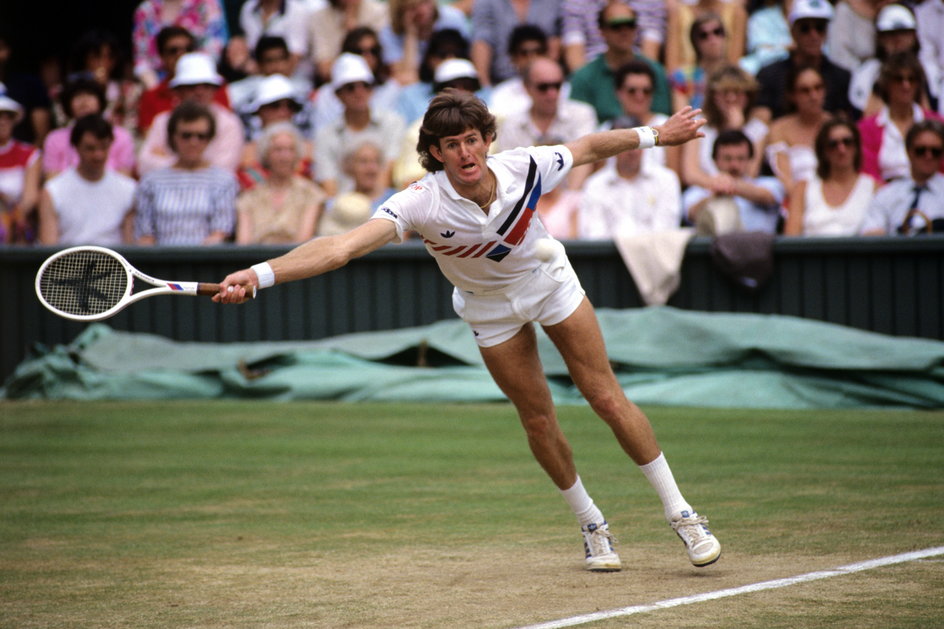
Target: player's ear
(435,152)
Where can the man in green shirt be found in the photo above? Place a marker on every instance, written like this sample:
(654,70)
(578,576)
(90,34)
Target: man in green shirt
(593,83)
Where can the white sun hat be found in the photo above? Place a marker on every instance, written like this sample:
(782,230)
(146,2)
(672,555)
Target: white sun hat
(350,68)
(196,68)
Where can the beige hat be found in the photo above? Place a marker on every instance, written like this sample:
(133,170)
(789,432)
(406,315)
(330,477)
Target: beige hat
(350,68)
(195,68)
(720,215)
(349,210)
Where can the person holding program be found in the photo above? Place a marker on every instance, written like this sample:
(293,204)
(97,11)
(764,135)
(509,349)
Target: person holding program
(475,213)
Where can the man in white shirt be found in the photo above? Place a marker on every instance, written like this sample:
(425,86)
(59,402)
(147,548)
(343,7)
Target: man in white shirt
(629,196)
(913,205)
(550,119)
(88,204)
(475,214)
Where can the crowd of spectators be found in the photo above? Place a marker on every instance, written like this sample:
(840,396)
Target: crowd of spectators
(823,118)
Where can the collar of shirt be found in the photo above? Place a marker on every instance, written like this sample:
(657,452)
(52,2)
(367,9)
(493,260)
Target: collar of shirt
(883,115)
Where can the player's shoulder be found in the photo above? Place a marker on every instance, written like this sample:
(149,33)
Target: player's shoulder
(419,194)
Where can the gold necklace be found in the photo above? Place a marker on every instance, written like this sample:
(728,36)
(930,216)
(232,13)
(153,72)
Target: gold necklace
(491,196)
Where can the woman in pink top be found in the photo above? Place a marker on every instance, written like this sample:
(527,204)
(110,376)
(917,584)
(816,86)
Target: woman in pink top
(901,84)
(81,98)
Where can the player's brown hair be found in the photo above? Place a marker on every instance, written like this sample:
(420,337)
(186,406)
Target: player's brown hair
(452,112)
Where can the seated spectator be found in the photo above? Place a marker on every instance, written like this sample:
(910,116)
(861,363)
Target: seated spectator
(593,83)
(80,98)
(285,207)
(709,41)
(197,81)
(364,164)
(790,142)
(758,199)
(679,46)
(629,196)
(900,86)
(492,24)
(768,35)
(412,24)
(414,98)
(895,26)
(285,19)
(549,115)
(203,18)
(913,204)
(272,58)
(362,41)
(809,20)
(731,91)
(833,201)
(527,42)
(352,81)
(329,26)
(89,203)
(190,202)
(20,174)
(582,40)
(635,83)
(98,55)
(851,36)
(276,102)
(930,18)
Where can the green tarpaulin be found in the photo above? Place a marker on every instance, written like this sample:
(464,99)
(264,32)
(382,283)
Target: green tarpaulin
(662,356)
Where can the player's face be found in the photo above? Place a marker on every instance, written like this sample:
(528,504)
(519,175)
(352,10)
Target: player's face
(463,157)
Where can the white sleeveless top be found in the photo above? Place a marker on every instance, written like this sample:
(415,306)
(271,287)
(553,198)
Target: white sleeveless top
(822,219)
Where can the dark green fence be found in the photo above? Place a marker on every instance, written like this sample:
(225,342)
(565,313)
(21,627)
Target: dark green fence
(888,285)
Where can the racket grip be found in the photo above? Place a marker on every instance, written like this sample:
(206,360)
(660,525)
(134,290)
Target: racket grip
(209,290)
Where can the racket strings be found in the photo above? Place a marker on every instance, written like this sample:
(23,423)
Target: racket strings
(84,282)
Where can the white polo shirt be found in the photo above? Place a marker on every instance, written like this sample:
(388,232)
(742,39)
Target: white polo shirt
(482,253)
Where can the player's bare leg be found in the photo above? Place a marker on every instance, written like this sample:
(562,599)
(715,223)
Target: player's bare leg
(580,342)
(516,369)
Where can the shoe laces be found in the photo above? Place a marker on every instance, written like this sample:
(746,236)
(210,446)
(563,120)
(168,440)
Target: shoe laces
(693,529)
(599,539)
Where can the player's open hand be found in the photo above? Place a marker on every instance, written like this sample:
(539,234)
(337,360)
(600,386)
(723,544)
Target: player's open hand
(237,288)
(684,125)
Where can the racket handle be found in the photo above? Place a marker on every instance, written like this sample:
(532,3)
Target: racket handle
(208,290)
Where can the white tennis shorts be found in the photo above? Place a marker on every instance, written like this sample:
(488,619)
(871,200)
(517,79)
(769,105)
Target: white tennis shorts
(548,295)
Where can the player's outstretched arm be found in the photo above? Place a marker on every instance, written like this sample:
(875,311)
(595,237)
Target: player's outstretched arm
(311,258)
(683,126)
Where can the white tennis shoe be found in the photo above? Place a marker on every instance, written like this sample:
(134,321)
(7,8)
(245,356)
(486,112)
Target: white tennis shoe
(703,547)
(598,545)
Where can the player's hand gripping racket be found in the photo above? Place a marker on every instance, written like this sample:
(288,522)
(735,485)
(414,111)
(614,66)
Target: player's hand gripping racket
(94,283)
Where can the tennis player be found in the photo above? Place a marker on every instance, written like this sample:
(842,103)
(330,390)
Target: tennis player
(476,215)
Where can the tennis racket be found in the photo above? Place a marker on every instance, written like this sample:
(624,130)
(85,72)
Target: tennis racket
(94,283)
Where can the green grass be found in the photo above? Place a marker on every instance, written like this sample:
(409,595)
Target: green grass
(94,497)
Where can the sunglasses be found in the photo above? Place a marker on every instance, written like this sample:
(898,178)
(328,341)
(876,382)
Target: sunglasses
(716,32)
(847,142)
(350,87)
(547,87)
(193,135)
(924,151)
(806,27)
(633,91)
(627,24)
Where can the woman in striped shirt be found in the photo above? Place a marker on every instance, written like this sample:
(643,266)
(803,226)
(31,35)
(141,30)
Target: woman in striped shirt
(190,202)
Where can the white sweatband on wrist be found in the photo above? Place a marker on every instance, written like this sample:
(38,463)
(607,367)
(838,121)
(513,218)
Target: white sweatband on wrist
(647,138)
(265,274)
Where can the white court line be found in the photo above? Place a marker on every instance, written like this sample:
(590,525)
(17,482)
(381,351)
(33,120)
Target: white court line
(744,589)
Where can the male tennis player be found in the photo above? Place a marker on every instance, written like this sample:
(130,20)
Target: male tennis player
(476,215)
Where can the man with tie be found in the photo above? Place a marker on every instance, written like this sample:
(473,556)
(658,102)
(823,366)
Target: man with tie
(912,205)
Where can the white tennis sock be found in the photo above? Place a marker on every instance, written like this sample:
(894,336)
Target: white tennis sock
(661,479)
(582,504)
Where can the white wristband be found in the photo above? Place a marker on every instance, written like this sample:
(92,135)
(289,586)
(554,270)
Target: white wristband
(265,274)
(647,137)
